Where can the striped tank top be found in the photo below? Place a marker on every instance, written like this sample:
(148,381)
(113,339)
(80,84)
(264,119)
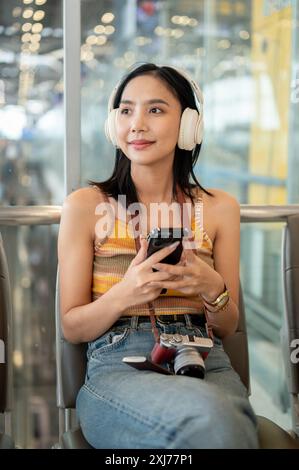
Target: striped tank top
(112,257)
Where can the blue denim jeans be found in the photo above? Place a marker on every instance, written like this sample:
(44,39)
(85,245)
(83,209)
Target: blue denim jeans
(120,407)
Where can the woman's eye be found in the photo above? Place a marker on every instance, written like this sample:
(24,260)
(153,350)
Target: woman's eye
(124,111)
(156,110)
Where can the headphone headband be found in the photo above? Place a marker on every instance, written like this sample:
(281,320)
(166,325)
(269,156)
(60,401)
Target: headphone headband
(195,88)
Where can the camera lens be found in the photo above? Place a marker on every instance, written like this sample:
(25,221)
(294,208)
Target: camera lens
(188,361)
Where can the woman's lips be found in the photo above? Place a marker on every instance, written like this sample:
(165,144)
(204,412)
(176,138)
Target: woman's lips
(140,145)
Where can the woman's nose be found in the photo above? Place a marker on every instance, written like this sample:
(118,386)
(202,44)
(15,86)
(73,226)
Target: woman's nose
(138,122)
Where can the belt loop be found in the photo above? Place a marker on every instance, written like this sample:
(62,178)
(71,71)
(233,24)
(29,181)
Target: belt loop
(134,322)
(188,320)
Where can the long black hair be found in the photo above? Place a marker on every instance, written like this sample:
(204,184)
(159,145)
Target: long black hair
(120,182)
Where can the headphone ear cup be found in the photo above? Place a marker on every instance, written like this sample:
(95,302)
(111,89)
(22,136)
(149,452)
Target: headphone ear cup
(188,129)
(199,130)
(110,126)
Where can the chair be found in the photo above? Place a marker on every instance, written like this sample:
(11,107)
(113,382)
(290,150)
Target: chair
(71,365)
(70,370)
(6,387)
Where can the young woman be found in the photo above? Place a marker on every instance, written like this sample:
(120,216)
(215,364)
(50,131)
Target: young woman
(109,289)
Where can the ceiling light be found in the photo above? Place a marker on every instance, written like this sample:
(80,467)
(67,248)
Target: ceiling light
(159,30)
(38,15)
(34,47)
(185,20)
(109,29)
(177,33)
(176,19)
(244,34)
(92,39)
(87,56)
(35,38)
(26,37)
(224,44)
(107,17)
(99,29)
(101,40)
(26,27)
(27,13)
(193,22)
(85,47)
(37,28)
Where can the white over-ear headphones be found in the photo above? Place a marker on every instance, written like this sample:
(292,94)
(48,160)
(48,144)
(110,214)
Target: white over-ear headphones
(191,127)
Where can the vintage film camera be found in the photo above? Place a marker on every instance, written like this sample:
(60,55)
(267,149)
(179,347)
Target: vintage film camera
(182,354)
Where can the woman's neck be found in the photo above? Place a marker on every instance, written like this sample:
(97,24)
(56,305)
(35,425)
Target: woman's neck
(151,187)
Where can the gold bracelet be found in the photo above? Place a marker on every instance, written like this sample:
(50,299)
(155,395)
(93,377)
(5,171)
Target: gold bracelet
(225,306)
(221,308)
(221,299)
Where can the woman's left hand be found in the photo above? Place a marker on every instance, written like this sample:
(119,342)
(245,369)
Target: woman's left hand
(192,276)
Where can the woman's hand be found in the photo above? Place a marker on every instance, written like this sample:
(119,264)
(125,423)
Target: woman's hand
(192,276)
(136,285)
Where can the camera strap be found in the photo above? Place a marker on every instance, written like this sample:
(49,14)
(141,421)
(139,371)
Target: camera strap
(151,307)
(185,223)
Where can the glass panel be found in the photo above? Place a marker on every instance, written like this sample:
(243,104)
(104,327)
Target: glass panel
(32,260)
(241,54)
(262,289)
(31,113)
(31,172)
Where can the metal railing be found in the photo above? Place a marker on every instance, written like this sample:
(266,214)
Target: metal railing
(30,215)
(48,215)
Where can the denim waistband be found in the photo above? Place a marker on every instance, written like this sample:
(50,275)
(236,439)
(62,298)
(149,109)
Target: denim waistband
(186,319)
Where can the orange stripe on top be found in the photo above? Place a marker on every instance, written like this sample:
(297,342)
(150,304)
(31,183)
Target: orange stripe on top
(112,257)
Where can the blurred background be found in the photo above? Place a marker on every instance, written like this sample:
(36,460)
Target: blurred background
(244,54)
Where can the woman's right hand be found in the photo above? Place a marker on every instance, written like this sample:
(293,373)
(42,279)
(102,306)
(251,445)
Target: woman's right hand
(135,283)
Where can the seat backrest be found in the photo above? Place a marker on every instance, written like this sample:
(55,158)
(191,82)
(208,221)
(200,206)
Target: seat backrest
(290,274)
(236,346)
(71,358)
(5,335)
(71,362)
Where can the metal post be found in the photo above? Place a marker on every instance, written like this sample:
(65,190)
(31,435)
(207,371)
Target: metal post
(72,93)
(293,159)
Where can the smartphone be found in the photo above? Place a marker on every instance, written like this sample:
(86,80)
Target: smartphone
(145,363)
(159,238)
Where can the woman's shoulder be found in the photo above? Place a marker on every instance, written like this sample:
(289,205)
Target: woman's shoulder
(222,210)
(84,198)
(81,206)
(216,199)
(80,209)
(221,199)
